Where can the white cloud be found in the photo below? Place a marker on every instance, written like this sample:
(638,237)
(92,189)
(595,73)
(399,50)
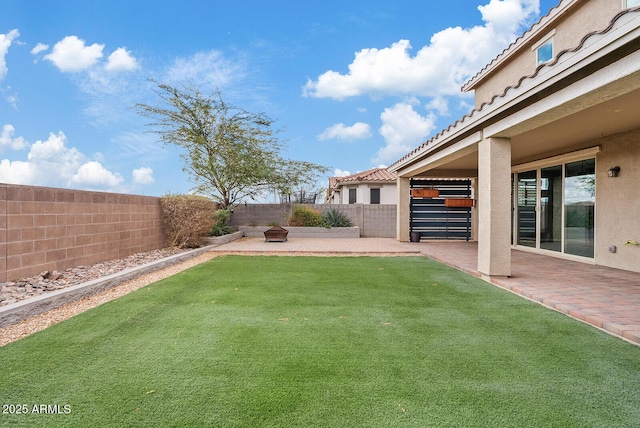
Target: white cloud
(110,93)
(143,175)
(357,131)
(439,104)
(5,43)
(507,16)
(52,163)
(94,174)
(205,70)
(48,163)
(40,47)
(132,144)
(7,140)
(437,69)
(16,172)
(121,60)
(465,105)
(340,173)
(403,129)
(54,148)
(12,99)
(72,55)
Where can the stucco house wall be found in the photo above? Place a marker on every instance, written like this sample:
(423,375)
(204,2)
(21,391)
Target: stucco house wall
(567,33)
(388,193)
(618,201)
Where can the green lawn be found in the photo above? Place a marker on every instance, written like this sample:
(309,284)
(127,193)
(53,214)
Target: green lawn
(321,342)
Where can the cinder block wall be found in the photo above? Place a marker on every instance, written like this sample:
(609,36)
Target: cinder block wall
(380,220)
(373,220)
(55,229)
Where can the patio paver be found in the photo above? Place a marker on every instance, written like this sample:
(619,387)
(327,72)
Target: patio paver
(606,298)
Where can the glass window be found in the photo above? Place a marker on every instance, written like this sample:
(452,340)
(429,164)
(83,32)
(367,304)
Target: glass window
(375,196)
(545,52)
(352,196)
(579,206)
(513,210)
(633,3)
(556,211)
(551,208)
(527,196)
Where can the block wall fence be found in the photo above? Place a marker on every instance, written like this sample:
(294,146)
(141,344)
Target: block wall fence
(54,229)
(44,228)
(374,221)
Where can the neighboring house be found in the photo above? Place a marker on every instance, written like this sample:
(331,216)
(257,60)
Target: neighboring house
(375,186)
(553,143)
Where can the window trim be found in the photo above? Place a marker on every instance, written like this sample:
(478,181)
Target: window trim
(543,42)
(355,195)
(538,165)
(371,189)
(564,158)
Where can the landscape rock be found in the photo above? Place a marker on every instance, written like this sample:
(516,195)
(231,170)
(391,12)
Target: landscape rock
(47,281)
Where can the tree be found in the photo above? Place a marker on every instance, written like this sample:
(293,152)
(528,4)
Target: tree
(230,154)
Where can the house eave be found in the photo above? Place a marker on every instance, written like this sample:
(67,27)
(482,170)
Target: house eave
(358,182)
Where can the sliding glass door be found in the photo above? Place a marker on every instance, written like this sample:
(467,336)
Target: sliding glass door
(551,208)
(579,207)
(554,208)
(527,196)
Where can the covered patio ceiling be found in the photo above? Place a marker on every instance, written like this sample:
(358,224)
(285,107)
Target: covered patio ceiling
(557,134)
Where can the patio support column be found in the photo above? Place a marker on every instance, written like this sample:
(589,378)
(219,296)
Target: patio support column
(494,207)
(402,217)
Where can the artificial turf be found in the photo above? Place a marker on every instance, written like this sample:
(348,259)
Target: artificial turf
(269,341)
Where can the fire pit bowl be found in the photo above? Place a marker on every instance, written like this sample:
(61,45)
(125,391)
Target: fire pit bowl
(276,234)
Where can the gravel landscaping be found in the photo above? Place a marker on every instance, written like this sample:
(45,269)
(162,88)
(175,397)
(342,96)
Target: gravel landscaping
(40,322)
(47,281)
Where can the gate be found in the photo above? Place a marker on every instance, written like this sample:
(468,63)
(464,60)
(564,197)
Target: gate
(440,209)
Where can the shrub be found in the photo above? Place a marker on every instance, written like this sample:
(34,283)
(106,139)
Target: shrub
(305,216)
(187,219)
(335,218)
(221,225)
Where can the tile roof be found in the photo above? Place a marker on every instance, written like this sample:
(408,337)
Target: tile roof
(375,174)
(552,63)
(379,175)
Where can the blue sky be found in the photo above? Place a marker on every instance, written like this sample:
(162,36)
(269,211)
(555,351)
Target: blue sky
(352,84)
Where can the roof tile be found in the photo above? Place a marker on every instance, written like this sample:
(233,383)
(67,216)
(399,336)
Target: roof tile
(375,174)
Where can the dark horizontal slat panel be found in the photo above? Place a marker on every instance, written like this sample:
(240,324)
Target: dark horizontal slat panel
(427,219)
(442,213)
(444,235)
(442,226)
(432,219)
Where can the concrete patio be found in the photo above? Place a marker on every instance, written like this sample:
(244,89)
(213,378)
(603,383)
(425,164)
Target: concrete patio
(606,298)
